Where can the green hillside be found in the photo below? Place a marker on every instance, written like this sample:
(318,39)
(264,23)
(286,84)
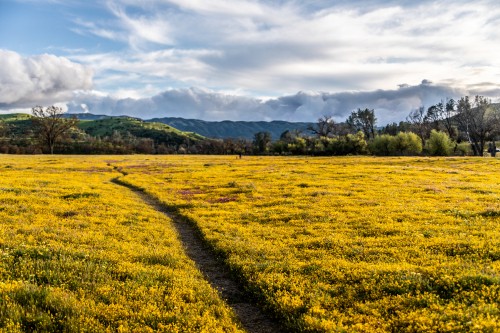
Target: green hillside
(217,129)
(97,135)
(11,117)
(136,127)
(18,124)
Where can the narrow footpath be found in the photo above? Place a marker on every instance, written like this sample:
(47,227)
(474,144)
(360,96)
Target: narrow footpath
(251,316)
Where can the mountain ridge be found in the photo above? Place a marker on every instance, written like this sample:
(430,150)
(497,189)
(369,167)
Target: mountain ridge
(217,129)
(233,129)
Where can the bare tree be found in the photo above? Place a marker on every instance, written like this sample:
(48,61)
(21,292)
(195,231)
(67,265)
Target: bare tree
(479,120)
(289,136)
(51,124)
(324,127)
(419,123)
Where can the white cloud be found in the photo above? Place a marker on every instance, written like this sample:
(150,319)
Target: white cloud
(174,62)
(222,7)
(151,28)
(279,47)
(42,79)
(85,27)
(389,105)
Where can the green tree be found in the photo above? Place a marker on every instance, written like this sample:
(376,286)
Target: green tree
(363,120)
(51,124)
(441,117)
(448,118)
(479,120)
(261,142)
(394,128)
(298,146)
(439,144)
(4,129)
(433,116)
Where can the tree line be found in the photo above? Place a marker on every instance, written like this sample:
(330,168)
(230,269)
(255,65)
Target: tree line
(450,127)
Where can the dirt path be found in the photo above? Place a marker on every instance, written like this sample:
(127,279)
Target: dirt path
(251,316)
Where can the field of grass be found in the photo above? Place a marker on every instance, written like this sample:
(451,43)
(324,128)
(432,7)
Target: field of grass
(81,254)
(354,244)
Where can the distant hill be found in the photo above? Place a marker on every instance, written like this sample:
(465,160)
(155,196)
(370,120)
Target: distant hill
(106,126)
(214,129)
(19,125)
(232,129)
(88,116)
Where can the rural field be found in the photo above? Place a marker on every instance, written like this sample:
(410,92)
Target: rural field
(343,244)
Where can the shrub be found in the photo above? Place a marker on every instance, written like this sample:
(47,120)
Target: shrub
(298,146)
(406,143)
(380,145)
(350,144)
(439,144)
(462,149)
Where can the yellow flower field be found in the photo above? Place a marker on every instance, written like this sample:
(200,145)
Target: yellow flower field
(81,254)
(354,244)
(349,244)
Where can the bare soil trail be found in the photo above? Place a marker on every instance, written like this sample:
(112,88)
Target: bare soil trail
(217,273)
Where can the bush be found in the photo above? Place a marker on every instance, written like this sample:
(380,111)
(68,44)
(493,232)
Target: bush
(380,145)
(406,143)
(439,144)
(462,149)
(350,144)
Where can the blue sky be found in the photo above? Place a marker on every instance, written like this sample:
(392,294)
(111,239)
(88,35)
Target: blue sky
(246,60)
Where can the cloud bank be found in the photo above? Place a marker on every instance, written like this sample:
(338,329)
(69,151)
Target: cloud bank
(389,105)
(41,79)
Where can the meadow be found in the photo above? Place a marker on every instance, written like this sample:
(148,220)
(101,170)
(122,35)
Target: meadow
(344,244)
(80,254)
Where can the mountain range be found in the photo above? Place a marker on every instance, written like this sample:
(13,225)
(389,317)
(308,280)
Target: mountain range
(233,129)
(219,129)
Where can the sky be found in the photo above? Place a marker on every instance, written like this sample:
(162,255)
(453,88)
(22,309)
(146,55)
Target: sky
(246,60)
